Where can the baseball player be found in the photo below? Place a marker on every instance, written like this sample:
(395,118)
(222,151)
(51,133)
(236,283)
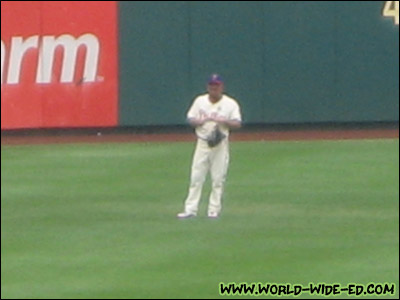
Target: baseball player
(212,115)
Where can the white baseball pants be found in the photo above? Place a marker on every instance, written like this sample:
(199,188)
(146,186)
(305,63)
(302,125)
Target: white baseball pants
(214,160)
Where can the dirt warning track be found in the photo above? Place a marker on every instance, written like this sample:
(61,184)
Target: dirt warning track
(266,135)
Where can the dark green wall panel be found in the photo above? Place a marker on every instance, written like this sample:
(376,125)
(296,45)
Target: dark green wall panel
(299,58)
(367,63)
(154,62)
(286,62)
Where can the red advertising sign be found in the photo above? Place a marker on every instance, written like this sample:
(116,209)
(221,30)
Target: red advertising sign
(58,64)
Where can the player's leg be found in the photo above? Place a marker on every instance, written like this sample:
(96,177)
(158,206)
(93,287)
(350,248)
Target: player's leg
(219,160)
(200,168)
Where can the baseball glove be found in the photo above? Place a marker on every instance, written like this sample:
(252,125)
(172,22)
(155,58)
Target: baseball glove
(215,137)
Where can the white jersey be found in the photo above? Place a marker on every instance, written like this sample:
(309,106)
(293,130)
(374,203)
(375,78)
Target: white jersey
(202,108)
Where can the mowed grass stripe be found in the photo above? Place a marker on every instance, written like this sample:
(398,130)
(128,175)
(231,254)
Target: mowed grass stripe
(83,221)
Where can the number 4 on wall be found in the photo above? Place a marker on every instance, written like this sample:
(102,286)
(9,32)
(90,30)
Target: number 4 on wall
(391,10)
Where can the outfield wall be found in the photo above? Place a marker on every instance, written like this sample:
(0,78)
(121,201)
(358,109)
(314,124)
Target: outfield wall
(286,62)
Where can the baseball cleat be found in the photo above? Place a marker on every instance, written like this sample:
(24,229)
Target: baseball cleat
(213,214)
(185,215)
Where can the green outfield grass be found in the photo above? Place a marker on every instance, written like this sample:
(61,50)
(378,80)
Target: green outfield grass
(98,221)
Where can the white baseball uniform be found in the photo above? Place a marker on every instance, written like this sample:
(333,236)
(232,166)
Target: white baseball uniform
(205,159)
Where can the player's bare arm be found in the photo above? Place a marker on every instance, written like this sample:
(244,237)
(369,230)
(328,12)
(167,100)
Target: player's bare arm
(232,124)
(196,122)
